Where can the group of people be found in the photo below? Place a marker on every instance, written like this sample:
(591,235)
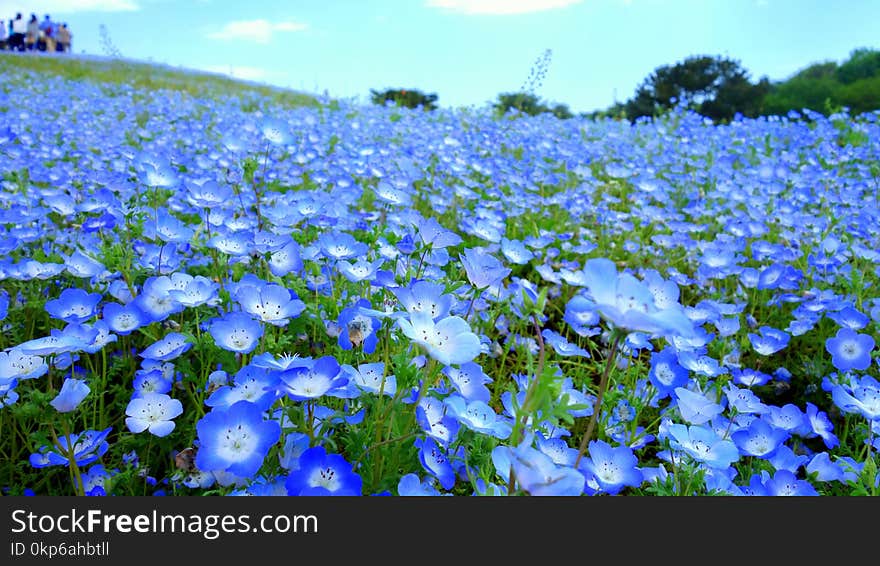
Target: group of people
(34,35)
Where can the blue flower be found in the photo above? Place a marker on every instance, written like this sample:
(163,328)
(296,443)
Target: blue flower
(74,305)
(411,486)
(703,445)
(236,332)
(666,374)
(155,300)
(610,469)
(760,439)
(435,462)
(696,408)
(470,381)
(87,447)
(785,483)
(628,303)
(357,328)
(435,236)
(850,350)
(124,319)
(769,341)
(478,416)
(270,303)
(320,473)
(321,377)
(862,397)
(821,426)
(482,268)
(536,473)
(153,412)
(371,378)
(168,348)
(15,364)
(235,439)
(72,393)
(449,341)
(424,296)
(253,384)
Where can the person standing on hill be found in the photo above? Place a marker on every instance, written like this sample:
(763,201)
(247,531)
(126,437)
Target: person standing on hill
(63,38)
(19,29)
(47,33)
(4,35)
(33,33)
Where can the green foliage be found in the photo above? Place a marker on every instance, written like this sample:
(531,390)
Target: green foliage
(716,87)
(407,97)
(527,103)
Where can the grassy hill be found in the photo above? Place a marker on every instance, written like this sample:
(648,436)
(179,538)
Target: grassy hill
(147,76)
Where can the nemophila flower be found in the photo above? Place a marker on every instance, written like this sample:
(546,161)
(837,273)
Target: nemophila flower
(74,305)
(760,439)
(557,449)
(432,419)
(253,384)
(769,341)
(55,344)
(81,265)
(124,319)
(15,364)
(150,381)
(849,317)
(72,393)
(628,303)
(197,291)
(610,469)
(153,412)
(8,395)
(862,397)
(695,407)
(788,418)
(562,346)
(482,268)
(784,458)
(286,259)
(275,131)
(167,348)
(295,444)
(743,401)
(478,416)
(371,378)
(411,486)
(360,270)
(435,461)
(85,448)
(850,350)
(341,245)
(322,377)
(821,426)
(424,296)
(320,473)
(235,439)
(536,473)
(700,364)
(785,484)
(703,445)
(821,468)
(270,303)
(516,252)
(155,301)
(435,236)
(750,377)
(581,316)
(470,381)
(666,374)
(236,332)
(449,341)
(231,243)
(357,328)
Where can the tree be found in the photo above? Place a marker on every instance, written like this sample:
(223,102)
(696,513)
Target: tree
(528,103)
(716,87)
(409,97)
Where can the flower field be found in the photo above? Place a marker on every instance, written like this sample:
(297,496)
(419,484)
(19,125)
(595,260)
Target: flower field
(228,296)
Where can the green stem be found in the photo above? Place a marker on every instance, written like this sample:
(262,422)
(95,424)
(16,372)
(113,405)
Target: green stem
(616,337)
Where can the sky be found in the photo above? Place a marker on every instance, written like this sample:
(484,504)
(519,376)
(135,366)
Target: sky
(465,51)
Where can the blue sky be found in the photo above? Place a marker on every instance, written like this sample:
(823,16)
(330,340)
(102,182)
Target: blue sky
(466,51)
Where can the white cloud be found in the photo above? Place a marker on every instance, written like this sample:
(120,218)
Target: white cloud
(238,72)
(499,7)
(260,31)
(53,7)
